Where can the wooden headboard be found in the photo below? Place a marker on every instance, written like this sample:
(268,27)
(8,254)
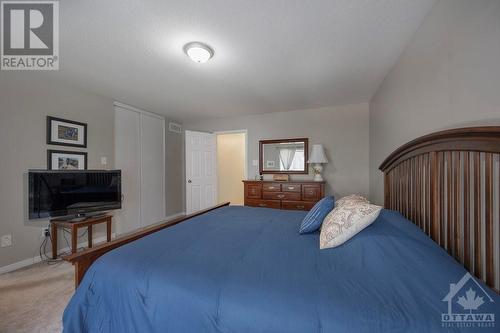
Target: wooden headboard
(448,184)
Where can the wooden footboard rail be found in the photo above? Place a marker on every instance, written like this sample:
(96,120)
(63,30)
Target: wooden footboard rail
(448,184)
(82,260)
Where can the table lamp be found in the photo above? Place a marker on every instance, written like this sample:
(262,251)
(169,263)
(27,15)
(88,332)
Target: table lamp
(317,158)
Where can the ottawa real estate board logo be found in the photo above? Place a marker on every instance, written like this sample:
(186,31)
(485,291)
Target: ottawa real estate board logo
(469,305)
(29,35)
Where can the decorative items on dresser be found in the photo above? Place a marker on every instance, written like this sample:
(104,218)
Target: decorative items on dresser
(291,195)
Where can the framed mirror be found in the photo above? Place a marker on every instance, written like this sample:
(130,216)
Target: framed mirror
(288,156)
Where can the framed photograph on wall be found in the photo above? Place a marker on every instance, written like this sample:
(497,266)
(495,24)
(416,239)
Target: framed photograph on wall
(64,132)
(66,160)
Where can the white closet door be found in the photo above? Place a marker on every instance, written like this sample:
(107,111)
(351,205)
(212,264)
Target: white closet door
(201,187)
(153,169)
(127,153)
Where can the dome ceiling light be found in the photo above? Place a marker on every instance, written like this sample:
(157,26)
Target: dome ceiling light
(198,52)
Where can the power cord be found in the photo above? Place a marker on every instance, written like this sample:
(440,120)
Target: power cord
(45,258)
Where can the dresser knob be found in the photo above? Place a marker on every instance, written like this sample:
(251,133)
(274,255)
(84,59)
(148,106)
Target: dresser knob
(300,207)
(271,187)
(291,187)
(281,196)
(311,192)
(262,205)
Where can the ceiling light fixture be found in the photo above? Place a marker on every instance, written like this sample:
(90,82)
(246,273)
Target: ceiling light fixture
(198,52)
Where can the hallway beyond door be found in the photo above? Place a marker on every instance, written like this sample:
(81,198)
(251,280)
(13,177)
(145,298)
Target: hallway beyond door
(231,166)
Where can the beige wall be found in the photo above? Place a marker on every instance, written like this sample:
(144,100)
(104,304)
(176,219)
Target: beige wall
(343,130)
(231,167)
(25,101)
(448,76)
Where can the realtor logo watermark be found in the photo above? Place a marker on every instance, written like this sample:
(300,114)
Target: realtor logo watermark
(468,305)
(30,35)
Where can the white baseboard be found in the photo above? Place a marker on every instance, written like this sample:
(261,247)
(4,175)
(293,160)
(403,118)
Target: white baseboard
(171,217)
(37,259)
(34,260)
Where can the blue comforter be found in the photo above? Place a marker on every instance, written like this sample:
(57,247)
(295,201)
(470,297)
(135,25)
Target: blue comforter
(242,269)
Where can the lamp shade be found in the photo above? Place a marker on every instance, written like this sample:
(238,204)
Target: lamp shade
(318,155)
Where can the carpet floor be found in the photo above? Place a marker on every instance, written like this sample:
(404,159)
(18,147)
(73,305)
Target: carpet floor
(33,299)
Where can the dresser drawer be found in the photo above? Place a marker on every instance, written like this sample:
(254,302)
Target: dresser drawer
(263,203)
(254,191)
(271,187)
(290,194)
(291,188)
(311,192)
(297,205)
(281,195)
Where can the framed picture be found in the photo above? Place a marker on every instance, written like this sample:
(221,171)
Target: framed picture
(64,132)
(270,164)
(66,160)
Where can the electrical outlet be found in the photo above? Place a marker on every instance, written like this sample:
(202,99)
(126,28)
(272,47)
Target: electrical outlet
(6,241)
(45,232)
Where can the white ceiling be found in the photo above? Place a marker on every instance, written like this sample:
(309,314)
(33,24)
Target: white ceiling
(270,55)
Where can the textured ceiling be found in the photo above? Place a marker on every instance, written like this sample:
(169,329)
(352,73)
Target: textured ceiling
(270,55)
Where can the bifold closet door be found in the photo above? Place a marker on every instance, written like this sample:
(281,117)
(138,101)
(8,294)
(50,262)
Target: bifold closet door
(140,154)
(127,157)
(152,170)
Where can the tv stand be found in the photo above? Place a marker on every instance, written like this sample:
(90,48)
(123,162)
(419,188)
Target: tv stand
(74,225)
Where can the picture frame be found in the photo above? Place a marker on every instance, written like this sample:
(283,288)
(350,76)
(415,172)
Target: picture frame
(66,160)
(63,132)
(270,164)
(281,178)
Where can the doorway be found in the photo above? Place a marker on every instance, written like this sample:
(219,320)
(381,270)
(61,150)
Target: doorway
(231,166)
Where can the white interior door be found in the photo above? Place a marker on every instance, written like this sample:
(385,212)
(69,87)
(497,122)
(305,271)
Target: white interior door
(152,169)
(127,152)
(201,177)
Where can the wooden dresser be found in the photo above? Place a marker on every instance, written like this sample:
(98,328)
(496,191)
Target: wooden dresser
(292,195)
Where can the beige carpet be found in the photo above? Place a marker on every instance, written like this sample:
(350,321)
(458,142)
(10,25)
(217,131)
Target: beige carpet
(33,299)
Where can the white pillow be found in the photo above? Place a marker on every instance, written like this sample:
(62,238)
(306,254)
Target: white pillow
(353,198)
(345,221)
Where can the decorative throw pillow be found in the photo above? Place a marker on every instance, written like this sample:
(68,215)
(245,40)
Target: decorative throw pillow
(345,221)
(312,221)
(353,198)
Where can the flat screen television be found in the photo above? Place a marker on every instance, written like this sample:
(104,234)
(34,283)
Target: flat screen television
(65,193)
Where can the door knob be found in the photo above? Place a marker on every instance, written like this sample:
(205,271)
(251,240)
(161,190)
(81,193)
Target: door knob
(189,181)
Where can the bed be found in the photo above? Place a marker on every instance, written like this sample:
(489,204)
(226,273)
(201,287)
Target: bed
(244,269)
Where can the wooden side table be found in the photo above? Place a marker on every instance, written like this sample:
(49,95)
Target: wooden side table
(74,226)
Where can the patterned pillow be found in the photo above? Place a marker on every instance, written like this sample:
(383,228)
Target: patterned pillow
(312,221)
(353,198)
(345,221)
